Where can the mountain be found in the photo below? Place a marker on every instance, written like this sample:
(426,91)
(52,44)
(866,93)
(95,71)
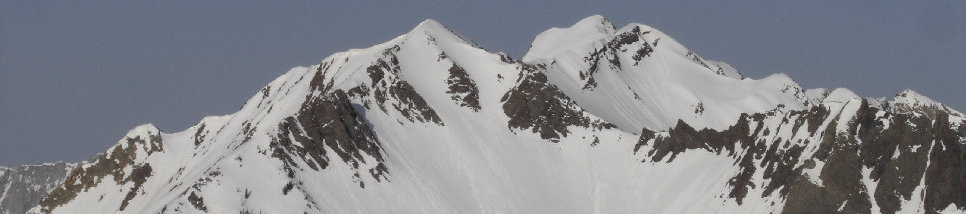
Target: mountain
(22,187)
(593,119)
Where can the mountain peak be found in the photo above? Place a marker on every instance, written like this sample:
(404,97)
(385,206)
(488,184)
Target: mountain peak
(909,100)
(429,122)
(582,35)
(143,130)
(840,95)
(596,21)
(429,25)
(911,96)
(436,31)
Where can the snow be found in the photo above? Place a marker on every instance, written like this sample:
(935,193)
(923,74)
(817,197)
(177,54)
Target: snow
(814,173)
(585,34)
(728,70)
(909,100)
(884,119)
(847,115)
(870,185)
(660,89)
(473,162)
(840,95)
(952,209)
(915,204)
(913,98)
(816,95)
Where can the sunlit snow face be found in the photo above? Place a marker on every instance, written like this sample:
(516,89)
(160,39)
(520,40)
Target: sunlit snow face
(430,122)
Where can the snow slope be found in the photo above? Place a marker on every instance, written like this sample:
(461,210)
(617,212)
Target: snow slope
(593,119)
(638,77)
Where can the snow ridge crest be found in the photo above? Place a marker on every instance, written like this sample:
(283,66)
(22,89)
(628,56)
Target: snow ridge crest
(431,122)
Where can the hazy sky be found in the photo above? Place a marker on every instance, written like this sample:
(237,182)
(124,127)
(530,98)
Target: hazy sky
(75,76)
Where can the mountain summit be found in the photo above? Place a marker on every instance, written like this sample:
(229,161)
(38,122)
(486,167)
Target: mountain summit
(594,119)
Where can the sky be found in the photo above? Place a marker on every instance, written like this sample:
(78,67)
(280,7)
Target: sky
(75,76)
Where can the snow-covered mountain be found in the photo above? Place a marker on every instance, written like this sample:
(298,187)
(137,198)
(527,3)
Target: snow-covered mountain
(22,187)
(593,119)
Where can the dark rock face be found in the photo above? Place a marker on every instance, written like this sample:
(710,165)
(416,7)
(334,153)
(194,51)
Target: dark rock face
(631,37)
(541,107)
(197,202)
(411,104)
(607,55)
(328,122)
(697,59)
(386,85)
(23,187)
(387,90)
(201,134)
(683,138)
(462,89)
(138,176)
(909,145)
(121,156)
(899,156)
(946,175)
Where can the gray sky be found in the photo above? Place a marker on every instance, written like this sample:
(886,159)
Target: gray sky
(75,76)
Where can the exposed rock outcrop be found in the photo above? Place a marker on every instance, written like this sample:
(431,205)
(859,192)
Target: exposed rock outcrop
(898,151)
(23,187)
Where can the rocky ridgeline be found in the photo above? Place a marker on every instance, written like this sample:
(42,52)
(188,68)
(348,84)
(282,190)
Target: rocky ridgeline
(354,132)
(896,149)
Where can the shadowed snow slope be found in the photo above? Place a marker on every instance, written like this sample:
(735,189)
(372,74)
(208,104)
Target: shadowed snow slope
(594,119)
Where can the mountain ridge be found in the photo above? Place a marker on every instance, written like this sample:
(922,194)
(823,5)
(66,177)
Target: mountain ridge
(431,122)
